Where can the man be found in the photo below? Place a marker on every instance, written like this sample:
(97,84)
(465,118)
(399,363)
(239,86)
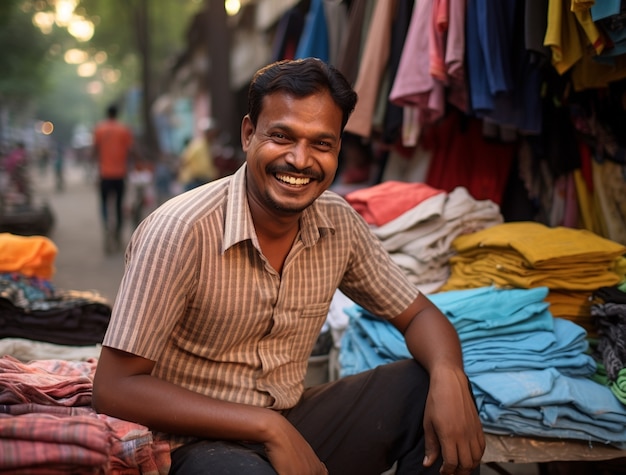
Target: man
(196,161)
(112,145)
(225,291)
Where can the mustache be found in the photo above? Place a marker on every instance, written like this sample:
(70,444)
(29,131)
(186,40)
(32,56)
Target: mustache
(288,168)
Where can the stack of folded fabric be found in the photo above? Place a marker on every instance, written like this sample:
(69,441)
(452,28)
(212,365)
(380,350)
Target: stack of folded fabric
(47,424)
(32,310)
(417,224)
(609,311)
(67,317)
(572,263)
(530,372)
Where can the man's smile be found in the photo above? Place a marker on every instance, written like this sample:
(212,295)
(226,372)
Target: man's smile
(292,180)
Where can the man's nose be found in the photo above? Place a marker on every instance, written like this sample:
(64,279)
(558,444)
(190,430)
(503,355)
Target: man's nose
(300,156)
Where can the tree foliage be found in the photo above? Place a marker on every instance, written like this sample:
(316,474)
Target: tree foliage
(133,34)
(23,50)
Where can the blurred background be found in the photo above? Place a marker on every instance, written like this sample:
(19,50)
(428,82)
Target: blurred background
(64,61)
(169,66)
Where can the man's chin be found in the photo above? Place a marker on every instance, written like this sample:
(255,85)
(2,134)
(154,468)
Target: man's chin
(288,209)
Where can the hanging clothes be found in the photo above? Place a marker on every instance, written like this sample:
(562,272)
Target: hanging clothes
(372,69)
(314,39)
(462,157)
(414,86)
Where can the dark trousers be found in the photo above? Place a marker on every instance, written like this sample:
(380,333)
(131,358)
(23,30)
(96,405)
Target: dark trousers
(358,425)
(112,189)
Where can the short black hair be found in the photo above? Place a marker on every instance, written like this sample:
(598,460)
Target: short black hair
(301,78)
(112,111)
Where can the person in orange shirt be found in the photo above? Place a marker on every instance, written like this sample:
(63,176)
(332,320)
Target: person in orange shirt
(112,146)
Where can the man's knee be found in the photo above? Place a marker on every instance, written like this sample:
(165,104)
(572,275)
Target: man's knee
(407,374)
(220,458)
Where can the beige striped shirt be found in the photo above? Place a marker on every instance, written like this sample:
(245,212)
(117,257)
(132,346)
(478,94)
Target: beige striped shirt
(199,298)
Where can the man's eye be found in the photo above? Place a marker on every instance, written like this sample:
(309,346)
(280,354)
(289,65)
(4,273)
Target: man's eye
(278,135)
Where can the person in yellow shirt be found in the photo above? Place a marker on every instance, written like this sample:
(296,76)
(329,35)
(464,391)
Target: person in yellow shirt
(196,164)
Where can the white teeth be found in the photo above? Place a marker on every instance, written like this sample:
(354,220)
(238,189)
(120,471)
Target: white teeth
(293,180)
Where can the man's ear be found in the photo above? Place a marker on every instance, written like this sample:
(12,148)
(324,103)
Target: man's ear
(247,131)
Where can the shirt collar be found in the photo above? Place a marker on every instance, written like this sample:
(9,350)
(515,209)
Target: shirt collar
(238,225)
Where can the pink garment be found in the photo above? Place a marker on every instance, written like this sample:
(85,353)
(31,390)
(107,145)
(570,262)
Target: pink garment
(447,50)
(414,85)
(48,444)
(48,427)
(382,203)
(570,217)
(455,55)
(438,33)
(135,450)
(15,159)
(50,382)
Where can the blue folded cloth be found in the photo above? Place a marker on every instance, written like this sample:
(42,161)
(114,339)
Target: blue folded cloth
(529,371)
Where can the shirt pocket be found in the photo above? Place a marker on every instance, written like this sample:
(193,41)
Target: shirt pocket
(307,329)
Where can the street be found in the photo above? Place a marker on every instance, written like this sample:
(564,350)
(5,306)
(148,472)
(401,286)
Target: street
(81,263)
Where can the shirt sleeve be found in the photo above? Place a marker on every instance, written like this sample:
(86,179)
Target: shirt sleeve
(372,279)
(157,284)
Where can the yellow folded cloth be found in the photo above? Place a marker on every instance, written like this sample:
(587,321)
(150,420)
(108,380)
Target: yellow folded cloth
(32,256)
(541,245)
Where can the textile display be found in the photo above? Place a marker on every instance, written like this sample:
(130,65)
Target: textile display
(572,263)
(531,373)
(417,224)
(32,256)
(609,312)
(47,424)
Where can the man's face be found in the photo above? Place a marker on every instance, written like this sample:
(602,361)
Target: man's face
(293,151)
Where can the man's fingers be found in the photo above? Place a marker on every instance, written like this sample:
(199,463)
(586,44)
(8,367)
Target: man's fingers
(432,449)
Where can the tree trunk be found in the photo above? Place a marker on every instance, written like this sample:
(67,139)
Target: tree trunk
(222,101)
(141,16)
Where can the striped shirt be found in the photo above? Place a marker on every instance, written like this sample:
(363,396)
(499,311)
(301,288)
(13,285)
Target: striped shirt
(200,299)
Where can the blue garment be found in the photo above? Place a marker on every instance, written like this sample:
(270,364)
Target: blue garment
(369,342)
(488,35)
(564,349)
(314,40)
(529,371)
(605,9)
(504,83)
(489,311)
(547,403)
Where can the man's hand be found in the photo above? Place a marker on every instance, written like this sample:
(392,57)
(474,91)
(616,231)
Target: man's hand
(290,453)
(452,427)
(125,388)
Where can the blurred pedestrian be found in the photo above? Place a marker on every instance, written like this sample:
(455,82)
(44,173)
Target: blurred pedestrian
(59,167)
(15,165)
(112,146)
(164,176)
(197,166)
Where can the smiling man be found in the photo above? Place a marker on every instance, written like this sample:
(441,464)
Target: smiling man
(224,293)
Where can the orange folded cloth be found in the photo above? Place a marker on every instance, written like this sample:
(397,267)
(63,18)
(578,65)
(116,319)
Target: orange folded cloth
(32,256)
(381,203)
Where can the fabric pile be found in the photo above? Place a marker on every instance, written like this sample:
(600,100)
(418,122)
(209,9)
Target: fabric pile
(33,310)
(572,263)
(530,372)
(32,256)
(66,317)
(417,224)
(47,425)
(609,311)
